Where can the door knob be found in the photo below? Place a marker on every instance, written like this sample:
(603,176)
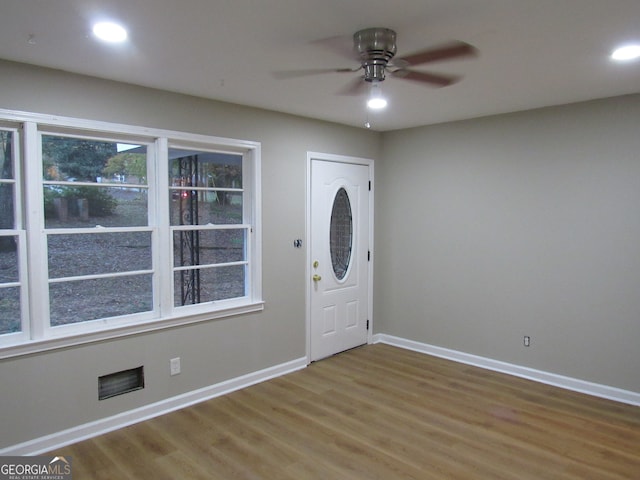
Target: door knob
(317,278)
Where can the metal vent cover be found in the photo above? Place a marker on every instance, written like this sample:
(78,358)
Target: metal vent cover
(119,383)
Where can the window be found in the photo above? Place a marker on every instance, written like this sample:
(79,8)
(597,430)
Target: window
(12,241)
(96,270)
(207,220)
(108,228)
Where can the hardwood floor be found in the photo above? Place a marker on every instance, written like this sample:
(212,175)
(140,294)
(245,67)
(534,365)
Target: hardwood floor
(378,412)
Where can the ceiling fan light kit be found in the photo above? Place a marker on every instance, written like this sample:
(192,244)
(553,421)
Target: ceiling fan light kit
(376,100)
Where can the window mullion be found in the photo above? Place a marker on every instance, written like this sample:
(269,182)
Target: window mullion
(36,239)
(23,266)
(162,260)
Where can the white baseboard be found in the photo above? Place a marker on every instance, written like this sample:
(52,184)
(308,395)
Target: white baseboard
(99,427)
(569,383)
(88,430)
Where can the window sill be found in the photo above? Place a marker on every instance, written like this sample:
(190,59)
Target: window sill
(38,346)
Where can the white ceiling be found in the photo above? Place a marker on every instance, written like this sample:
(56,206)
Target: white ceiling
(533,53)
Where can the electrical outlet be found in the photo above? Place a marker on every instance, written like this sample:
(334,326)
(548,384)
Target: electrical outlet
(174,366)
(527,341)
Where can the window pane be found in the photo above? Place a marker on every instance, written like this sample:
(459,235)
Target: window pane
(10,310)
(84,160)
(6,187)
(97,253)
(194,168)
(79,301)
(68,206)
(340,234)
(210,171)
(205,247)
(8,259)
(209,284)
(197,207)
(6,154)
(7,220)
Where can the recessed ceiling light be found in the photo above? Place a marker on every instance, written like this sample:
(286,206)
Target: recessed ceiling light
(110,32)
(628,52)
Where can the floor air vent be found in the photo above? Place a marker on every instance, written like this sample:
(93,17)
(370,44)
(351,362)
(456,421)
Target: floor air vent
(120,382)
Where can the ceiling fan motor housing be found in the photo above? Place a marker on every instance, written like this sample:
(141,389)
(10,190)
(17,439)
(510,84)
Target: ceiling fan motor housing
(376,46)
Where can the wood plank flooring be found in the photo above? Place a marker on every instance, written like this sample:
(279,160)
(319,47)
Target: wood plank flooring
(378,412)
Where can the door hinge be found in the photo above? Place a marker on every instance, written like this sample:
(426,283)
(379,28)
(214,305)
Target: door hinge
(367,324)
(369,185)
(368,255)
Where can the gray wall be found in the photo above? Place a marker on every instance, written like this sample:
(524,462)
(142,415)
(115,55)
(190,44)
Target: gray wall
(48,392)
(486,230)
(513,225)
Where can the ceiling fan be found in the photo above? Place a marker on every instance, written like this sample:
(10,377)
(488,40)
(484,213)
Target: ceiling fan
(375,49)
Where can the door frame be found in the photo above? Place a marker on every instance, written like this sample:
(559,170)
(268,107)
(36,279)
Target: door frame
(328,157)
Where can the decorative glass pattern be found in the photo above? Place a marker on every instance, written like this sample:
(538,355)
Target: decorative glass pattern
(341,234)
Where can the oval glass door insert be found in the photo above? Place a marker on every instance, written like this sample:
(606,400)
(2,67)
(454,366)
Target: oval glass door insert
(341,234)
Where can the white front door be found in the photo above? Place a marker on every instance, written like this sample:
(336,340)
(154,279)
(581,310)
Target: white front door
(339,256)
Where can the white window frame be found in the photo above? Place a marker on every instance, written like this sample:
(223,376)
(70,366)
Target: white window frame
(39,237)
(247,212)
(37,335)
(19,232)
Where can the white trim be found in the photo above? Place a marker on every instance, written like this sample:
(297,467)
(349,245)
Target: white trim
(371,254)
(119,331)
(68,124)
(89,430)
(162,263)
(328,157)
(37,248)
(60,183)
(568,383)
(252,207)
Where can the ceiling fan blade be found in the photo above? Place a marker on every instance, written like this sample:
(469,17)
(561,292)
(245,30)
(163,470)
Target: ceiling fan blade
(286,74)
(355,87)
(445,52)
(433,79)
